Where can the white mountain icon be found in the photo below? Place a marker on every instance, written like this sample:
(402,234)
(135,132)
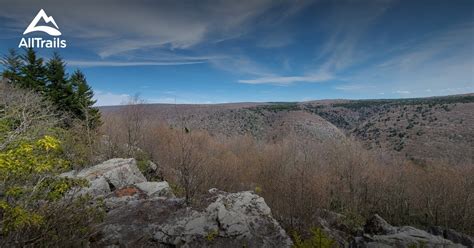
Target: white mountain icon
(47,19)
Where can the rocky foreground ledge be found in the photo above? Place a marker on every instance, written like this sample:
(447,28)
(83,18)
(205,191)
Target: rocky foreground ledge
(147,214)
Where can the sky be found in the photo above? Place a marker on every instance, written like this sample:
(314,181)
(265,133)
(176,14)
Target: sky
(256,51)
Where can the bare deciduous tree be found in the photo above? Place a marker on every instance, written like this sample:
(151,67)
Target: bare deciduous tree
(24,114)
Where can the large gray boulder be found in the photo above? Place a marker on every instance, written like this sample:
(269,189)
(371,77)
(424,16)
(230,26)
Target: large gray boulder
(378,233)
(375,225)
(229,220)
(97,187)
(409,236)
(454,236)
(155,189)
(118,172)
(108,176)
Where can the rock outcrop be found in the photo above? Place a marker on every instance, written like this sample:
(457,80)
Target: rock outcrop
(147,214)
(378,233)
(231,220)
(110,175)
(452,235)
(375,225)
(153,189)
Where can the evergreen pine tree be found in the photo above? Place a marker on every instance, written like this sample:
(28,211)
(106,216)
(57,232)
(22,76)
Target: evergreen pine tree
(72,95)
(59,90)
(33,71)
(12,65)
(83,99)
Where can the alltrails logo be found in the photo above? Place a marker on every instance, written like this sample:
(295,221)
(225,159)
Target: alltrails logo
(38,42)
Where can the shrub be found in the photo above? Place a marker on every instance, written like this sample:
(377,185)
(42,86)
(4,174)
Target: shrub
(34,198)
(318,239)
(35,206)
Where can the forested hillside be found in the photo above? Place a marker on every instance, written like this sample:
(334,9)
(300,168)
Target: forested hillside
(314,155)
(422,130)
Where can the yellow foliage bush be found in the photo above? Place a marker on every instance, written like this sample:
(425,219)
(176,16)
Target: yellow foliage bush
(28,159)
(26,169)
(33,207)
(16,217)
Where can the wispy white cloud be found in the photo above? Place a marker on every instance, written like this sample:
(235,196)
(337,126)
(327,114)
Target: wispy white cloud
(457,90)
(109,98)
(168,100)
(241,64)
(287,80)
(346,26)
(402,92)
(354,87)
(115,27)
(275,40)
(431,62)
(143,59)
(85,63)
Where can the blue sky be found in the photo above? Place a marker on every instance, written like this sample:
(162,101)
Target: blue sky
(238,51)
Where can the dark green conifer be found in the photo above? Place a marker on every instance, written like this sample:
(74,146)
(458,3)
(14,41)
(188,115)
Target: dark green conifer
(33,71)
(83,99)
(59,90)
(12,65)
